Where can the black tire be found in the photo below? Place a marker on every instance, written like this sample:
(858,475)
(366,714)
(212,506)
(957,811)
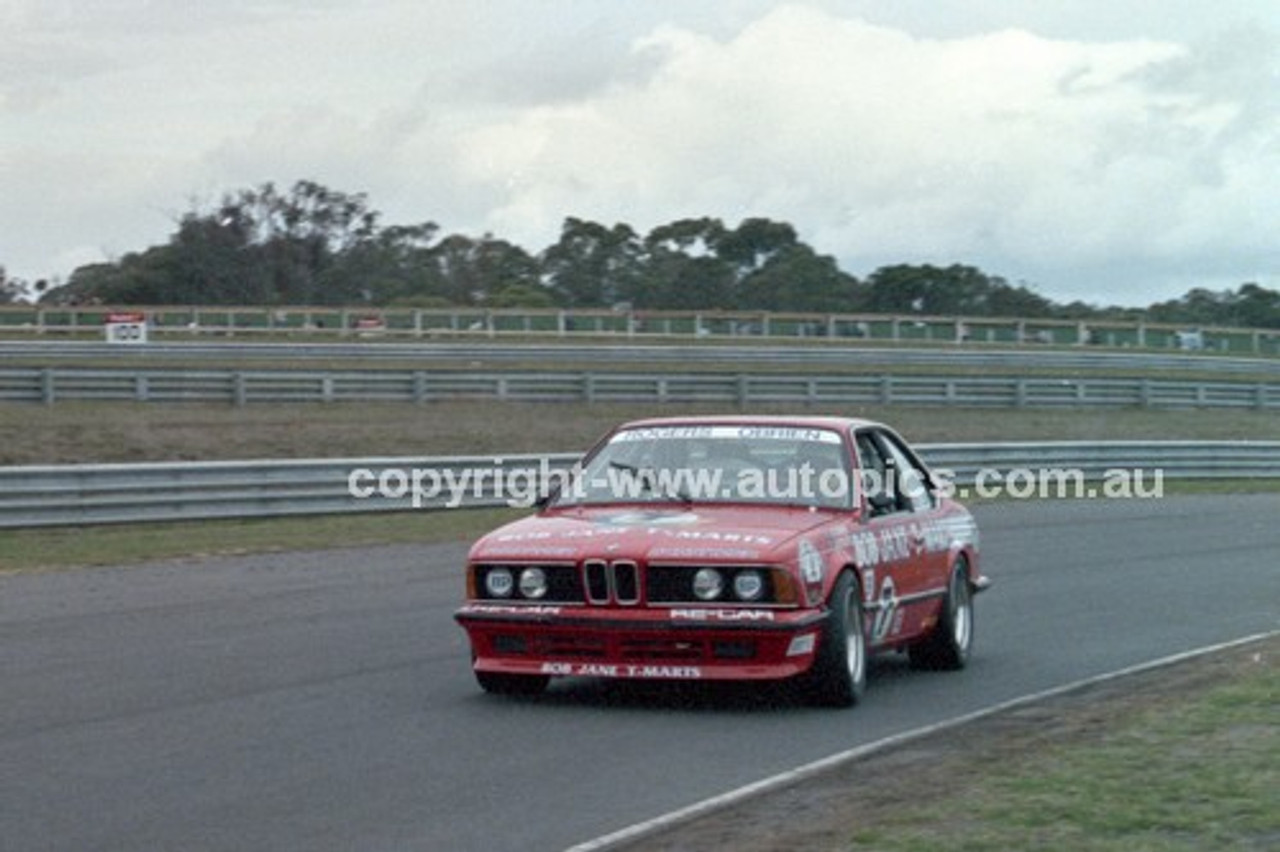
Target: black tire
(499,683)
(839,674)
(948,646)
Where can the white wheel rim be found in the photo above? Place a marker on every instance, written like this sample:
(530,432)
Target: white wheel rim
(855,658)
(961,617)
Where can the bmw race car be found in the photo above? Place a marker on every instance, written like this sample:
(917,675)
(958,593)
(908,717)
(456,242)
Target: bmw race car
(728,548)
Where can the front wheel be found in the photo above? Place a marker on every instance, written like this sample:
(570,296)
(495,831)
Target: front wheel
(499,683)
(839,674)
(947,647)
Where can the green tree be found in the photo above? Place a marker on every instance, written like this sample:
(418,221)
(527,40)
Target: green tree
(392,266)
(682,270)
(312,244)
(1256,307)
(522,296)
(14,289)
(208,261)
(591,265)
(1251,306)
(10,288)
(297,236)
(953,290)
(796,278)
(469,271)
(754,243)
(306,245)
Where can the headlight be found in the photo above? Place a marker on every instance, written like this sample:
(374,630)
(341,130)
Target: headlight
(533,583)
(707,584)
(748,585)
(498,582)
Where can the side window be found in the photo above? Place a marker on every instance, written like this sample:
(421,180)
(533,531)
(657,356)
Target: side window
(875,470)
(912,481)
(892,481)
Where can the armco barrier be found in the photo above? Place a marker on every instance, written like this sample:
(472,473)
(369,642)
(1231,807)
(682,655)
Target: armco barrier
(165,491)
(241,387)
(33,496)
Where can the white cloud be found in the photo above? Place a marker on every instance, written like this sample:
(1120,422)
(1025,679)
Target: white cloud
(1124,168)
(1024,154)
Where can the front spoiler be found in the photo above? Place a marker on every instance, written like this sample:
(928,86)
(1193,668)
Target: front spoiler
(657,644)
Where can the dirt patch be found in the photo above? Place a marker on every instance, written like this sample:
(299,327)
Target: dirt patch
(823,812)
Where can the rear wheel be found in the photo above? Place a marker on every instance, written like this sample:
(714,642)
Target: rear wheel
(500,683)
(947,647)
(839,674)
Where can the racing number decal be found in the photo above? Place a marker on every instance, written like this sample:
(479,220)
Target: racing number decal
(886,611)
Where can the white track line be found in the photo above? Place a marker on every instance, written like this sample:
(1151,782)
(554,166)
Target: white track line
(807,770)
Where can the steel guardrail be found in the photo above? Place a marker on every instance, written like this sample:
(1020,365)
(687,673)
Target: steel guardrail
(50,385)
(61,495)
(827,355)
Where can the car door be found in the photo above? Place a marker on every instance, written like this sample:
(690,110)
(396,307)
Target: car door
(901,566)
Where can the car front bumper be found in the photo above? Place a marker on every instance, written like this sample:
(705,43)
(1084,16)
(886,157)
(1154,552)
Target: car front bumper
(689,643)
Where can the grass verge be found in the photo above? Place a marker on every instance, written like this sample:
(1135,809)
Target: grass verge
(77,433)
(1177,758)
(1201,775)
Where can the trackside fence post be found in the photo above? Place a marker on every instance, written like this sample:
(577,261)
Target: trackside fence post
(48,390)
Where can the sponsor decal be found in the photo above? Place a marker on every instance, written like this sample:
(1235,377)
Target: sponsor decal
(637,519)
(712,535)
(932,536)
(622,670)
(750,432)
(721,615)
(902,541)
(605,531)
(703,553)
(866,548)
(528,551)
(658,433)
(811,565)
(546,535)
(788,433)
(509,609)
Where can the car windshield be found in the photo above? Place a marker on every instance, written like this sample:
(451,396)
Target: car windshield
(746,463)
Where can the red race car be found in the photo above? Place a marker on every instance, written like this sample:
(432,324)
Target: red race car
(728,548)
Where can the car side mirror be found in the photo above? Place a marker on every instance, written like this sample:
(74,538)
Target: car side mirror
(881,503)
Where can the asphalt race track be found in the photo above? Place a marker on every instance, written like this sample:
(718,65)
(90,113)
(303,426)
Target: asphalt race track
(315,701)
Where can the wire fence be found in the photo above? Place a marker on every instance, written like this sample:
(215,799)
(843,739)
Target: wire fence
(417,323)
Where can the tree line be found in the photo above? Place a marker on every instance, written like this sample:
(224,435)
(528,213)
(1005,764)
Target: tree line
(312,245)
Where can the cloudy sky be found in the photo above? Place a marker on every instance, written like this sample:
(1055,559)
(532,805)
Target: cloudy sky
(1116,151)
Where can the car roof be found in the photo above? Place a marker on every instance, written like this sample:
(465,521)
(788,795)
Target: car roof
(802,421)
